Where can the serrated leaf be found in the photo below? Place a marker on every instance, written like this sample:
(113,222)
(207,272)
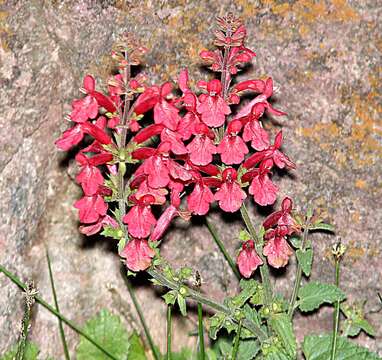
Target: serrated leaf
(322,226)
(282,326)
(182,305)
(31,352)
(305,259)
(216,323)
(249,288)
(314,294)
(277,355)
(248,349)
(109,332)
(136,350)
(319,347)
(114,233)
(365,326)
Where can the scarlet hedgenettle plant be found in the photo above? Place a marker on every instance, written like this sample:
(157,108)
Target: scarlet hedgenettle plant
(142,147)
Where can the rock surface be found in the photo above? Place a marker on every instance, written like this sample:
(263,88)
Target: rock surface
(324,57)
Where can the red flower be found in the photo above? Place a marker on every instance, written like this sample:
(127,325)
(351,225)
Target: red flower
(164,112)
(96,227)
(140,219)
(90,176)
(267,93)
(175,139)
(230,195)
(272,152)
(212,107)
(201,148)
(262,188)
(70,137)
(201,197)
(277,249)
(145,189)
(91,208)
(282,217)
(237,56)
(248,260)
(138,254)
(253,131)
(232,147)
(165,219)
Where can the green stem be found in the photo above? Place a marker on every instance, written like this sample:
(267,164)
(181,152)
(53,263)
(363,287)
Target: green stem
(196,296)
(169,310)
(61,328)
(264,270)
(236,343)
(297,282)
(25,328)
(51,309)
(202,354)
(222,248)
(336,317)
(141,318)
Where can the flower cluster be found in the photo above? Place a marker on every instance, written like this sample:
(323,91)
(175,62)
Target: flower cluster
(183,153)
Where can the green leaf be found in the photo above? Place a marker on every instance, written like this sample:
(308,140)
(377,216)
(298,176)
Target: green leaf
(136,350)
(305,259)
(278,355)
(108,331)
(114,233)
(248,349)
(31,352)
(244,235)
(296,241)
(184,354)
(318,348)
(322,226)
(249,289)
(282,326)
(314,294)
(170,297)
(216,323)
(182,305)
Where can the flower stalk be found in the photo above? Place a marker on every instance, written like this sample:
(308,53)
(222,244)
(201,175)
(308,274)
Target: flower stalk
(56,313)
(201,332)
(264,270)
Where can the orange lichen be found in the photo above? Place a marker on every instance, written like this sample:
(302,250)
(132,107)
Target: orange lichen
(360,184)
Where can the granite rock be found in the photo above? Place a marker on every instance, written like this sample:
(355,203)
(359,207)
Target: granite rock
(324,57)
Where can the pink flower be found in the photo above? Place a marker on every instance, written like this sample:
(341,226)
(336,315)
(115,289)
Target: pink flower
(277,249)
(230,195)
(165,219)
(232,147)
(164,112)
(138,254)
(271,152)
(175,139)
(201,197)
(248,260)
(282,217)
(96,227)
(262,188)
(201,148)
(90,176)
(212,107)
(253,131)
(267,93)
(91,208)
(140,219)
(70,138)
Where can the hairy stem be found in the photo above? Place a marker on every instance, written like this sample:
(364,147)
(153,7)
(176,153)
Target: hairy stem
(336,316)
(169,310)
(222,248)
(51,309)
(236,343)
(198,297)
(297,282)
(264,270)
(60,326)
(141,318)
(200,332)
